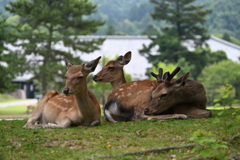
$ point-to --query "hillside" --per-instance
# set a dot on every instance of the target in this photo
(131, 17)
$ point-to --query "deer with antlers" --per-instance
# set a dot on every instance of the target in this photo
(181, 96)
(77, 105)
(113, 72)
(134, 100)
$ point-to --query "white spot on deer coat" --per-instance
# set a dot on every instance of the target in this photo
(120, 89)
(129, 94)
(65, 100)
(139, 92)
(116, 94)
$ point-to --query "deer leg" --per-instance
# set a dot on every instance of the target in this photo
(95, 123)
(192, 112)
(61, 122)
(168, 116)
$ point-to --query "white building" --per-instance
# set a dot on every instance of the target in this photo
(119, 45)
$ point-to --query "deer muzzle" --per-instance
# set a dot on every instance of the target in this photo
(66, 91)
(95, 78)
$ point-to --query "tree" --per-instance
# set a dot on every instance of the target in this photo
(218, 74)
(44, 24)
(226, 37)
(111, 30)
(184, 25)
(187, 19)
(10, 64)
(150, 30)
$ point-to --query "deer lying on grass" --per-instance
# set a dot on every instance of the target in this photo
(30, 108)
(131, 101)
(75, 106)
(181, 96)
(113, 71)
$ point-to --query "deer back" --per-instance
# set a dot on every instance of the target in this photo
(128, 101)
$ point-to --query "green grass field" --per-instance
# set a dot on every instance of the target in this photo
(114, 140)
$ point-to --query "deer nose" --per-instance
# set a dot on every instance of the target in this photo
(94, 78)
(66, 90)
(146, 111)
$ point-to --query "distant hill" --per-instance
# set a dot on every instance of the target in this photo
(131, 17)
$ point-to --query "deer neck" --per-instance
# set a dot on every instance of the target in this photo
(83, 102)
(119, 81)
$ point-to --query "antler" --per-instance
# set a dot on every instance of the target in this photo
(158, 76)
(170, 76)
(167, 77)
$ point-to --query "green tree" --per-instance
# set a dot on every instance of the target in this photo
(46, 23)
(226, 37)
(184, 25)
(10, 64)
(111, 30)
(185, 17)
(218, 74)
(150, 30)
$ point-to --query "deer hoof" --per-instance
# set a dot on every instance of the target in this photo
(183, 117)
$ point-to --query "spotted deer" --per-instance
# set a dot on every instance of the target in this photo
(181, 96)
(131, 101)
(77, 105)
(113, 72)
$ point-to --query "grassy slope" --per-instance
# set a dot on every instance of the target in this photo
(113, 139)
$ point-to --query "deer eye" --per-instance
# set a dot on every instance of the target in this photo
(163, 95)
(80, 77)
(110, 68)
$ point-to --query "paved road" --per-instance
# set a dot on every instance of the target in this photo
(16, 103)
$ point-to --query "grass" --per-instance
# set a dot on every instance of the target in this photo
(114, 139)
(14, 112)
(7, 98)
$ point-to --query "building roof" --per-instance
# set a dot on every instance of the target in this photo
(119, 45)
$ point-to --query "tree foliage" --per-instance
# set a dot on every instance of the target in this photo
(185, 26)
(9, 62)
(218, 74)
(46, 24)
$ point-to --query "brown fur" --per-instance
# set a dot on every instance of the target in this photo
(187, 100)
(113, 71)
(78, 106)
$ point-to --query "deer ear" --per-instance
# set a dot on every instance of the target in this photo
(91, 66)
(68, 63)
(181, 81)
(127, 58)
(120, 58)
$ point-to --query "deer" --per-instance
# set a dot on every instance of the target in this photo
(76, 106)
(30, 108)
(131, 101)
(179, 96)
(113, 72)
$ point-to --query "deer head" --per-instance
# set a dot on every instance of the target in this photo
(167, 92)
(76, 76)
(113, 70)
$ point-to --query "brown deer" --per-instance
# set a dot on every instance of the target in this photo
(30, 108)
(75, 106)
(181, 96)
(130, 101)
(113, 71)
